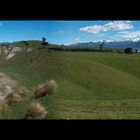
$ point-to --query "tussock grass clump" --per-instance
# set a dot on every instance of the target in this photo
(5, 89)
(11, 98)
(22, 91)
(52, 86)
(2, 87)
(35, 111)
(3, 106)
(8, 100)
(45, 89)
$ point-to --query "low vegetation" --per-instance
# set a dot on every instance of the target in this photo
(12, 98)
(128, 50)
(45, 89)
(22, 91)
(92, 85)
(35, 111)
(84, 49)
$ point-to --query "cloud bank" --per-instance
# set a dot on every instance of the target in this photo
(110, 26)
(129, 34)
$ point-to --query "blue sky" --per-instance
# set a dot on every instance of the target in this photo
(67, 32)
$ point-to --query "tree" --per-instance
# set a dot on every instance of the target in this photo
(128, 50)
(24, 41)
(26, 44)
(44, 43)
(101, 45)
(136, 51)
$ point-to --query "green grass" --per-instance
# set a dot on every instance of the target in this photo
(90, 85)
(31, 43)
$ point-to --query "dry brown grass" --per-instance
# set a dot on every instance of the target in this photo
(3, 106)
(5, 89)
(8, 100)
(35, 111)
(52, 86)
(11, 98)
(22, 91)
(45, 89)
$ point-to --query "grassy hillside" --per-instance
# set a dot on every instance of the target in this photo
(32, 43)
(29, 43)
(91, 85)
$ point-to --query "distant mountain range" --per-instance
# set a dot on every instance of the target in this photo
(135, 44)
(6, 43)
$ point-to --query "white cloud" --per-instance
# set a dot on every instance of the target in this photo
(136, 39)
(114, 26)
(109, 40)
(94, 29)
(129, 34)
(67, 44)
(119, 25)
(78, 40)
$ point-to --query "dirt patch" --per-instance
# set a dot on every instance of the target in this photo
(6, 85)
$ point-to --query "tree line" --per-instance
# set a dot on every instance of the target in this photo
(82, 49)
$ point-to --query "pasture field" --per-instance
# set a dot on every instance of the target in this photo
(91, 85)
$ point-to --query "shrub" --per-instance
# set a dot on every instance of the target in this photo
(52, 85)
(35, 111)
(5, 89)
(3, 106)
(21, 91)
(119, 51)
(128, 50)
(45, 89)
(11, 98)
(136, 51)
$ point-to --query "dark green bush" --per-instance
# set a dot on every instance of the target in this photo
(128, 50)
